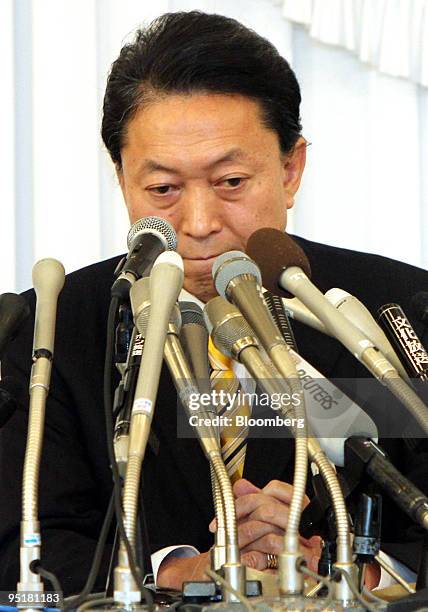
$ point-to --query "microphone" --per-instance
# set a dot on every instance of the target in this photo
(332, 415)
(420, 306)
(14, 310)
(290, 272)
(366, 454)
(48, 280)
(286, 274)
(402, 335)
(298, 311)
(9, 386)
(279, 314)
(361, 317)
(194, 338)
(147, 238)
(237, 278)
(166, 281)
(233, 336)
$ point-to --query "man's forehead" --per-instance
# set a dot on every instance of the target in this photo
(234, 154)
(200, 130)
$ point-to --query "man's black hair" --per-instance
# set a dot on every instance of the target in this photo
(189, 52)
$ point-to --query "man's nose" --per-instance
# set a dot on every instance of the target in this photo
(200, 213)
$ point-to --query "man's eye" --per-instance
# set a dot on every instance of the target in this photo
(232, 182)
(161, 189)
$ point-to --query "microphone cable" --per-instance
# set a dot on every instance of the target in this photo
(117, 488)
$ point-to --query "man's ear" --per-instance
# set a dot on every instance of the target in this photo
(294, 164)
(119, 174)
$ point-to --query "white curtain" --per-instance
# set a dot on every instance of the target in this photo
(365, 185)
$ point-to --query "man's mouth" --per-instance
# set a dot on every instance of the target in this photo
(201, 257)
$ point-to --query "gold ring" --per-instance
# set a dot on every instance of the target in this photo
(272, 561)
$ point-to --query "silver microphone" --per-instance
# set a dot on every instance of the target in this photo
(166, 281)
(147, 239)
(48, 280)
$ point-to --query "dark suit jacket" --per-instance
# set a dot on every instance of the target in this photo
(76, 482)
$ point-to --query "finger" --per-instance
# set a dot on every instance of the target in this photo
(270, 543)
(282, 491)
(271, 512)
(255, 560)
(312, 557)
(244, 487)
(314, 542)
(250, 531)
(248, 503)
(274, 544)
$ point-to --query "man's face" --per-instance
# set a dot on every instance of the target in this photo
(208, 165)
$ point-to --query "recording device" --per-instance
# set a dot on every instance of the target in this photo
(405, 340)
(14, 310)
(147, 238)
(48, 280)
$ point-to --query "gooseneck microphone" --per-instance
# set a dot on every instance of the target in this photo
(147, 239)
(48, 280)
(234, 337)
(14, 310)
(166, 281)
(194, 336)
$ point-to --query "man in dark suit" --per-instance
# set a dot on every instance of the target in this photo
(201, 119)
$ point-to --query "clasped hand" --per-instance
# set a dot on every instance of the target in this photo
(262, 519)
(262, 516)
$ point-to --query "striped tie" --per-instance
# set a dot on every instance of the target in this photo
(233, 438)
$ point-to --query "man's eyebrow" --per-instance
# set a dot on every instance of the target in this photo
(151, 165)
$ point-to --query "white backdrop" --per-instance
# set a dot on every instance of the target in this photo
(365, 110)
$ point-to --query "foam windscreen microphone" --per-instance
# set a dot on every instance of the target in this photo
(273, 250)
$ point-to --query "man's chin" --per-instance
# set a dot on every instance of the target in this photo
(202, 288)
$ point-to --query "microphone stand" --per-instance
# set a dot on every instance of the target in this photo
(234, 571)
(48, 279)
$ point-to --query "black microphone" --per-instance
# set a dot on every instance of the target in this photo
(147, 239)
(404, 339)
(14, 310)
(366, 455)
(9, 387)
(420, 306)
